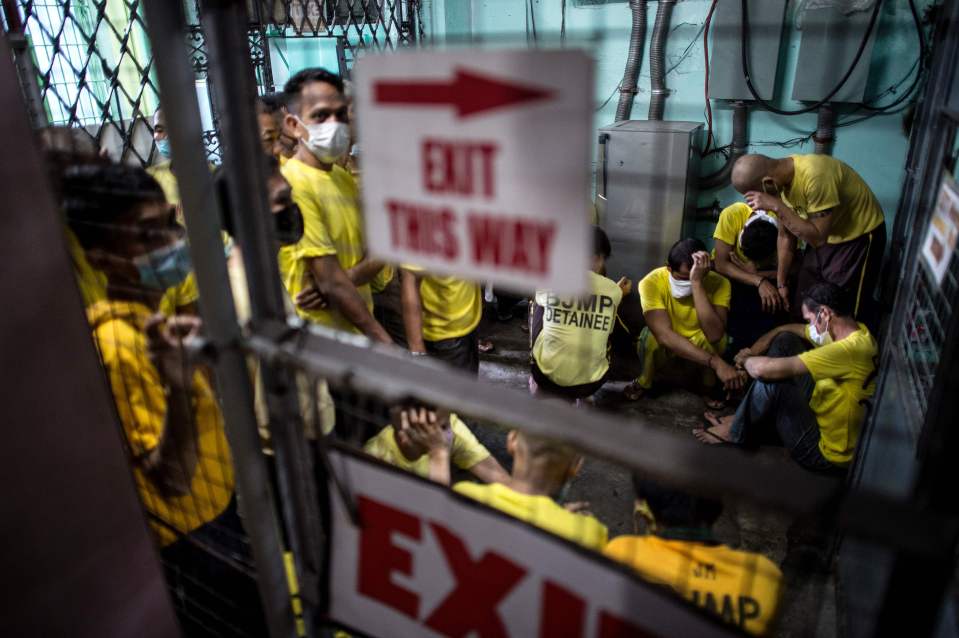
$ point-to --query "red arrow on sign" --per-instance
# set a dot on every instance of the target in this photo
(468, 92)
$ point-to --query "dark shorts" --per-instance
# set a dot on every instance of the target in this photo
(570, 393)
(747, 319)
(460, 352)
(387, 309)
(854, 266)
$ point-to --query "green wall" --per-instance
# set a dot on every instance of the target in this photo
(876, 148)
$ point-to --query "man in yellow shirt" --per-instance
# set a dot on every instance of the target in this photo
(745, 253)
(685, 305)
(171, 420)
(682, 553)
(541, 470)
(813, 398)
(162, 169)
(570, 354)
(327, 273)
(440, 316)
(826, 204)
(426, 441)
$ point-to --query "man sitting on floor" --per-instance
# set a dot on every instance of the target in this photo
(570, 354)
(425, 441)
(685, 306)
(681, 552)
(541, 469)
(813, 398)
(745, 253)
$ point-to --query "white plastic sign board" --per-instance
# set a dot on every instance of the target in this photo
(943, 231)
(423, 561)
(475, 163)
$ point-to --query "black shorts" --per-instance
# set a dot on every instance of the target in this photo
(570, 393)
(460, 352)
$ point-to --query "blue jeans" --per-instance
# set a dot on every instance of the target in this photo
(785, 405)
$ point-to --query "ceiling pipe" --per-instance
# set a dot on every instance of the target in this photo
(634, 60)
(657, 60)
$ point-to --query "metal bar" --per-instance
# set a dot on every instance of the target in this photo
(101, 588)
(225, 25)
(23, 60)
(917, 585)
(349, 361)
(166, 25)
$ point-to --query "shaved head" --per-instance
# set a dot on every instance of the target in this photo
(547, 451)
(749, 171)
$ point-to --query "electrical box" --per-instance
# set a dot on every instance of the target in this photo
(726, 78)
(647, 174)
(828, 47)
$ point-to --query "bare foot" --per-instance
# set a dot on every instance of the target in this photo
(720, 429)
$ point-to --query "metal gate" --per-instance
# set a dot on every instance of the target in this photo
(89, 63)
(110, 90)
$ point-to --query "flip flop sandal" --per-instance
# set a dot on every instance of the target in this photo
(634, 392)
(714, 404)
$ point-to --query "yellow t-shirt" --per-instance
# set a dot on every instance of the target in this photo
(465, 452)
(92, 282)
(164, 176)
(742, 588)
(571, 349)
(382, 279)
(541, 511)
(332, 225)
(141, 403)
(732, 221)
(452, 307)
(654, 294)
(839, 369)
(821, 182)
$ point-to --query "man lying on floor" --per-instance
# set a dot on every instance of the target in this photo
(426, 441)
(542, 471)
(681, 551)
(813, 398)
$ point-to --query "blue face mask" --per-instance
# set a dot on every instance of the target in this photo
(163, 147)
(164, 267)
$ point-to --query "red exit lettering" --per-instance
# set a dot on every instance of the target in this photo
(514, 243)
(458, 168)
(480, 584)
(423, 229)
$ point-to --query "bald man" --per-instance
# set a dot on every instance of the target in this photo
(826, 204)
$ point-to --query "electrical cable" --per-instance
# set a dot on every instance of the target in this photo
(562, 23)
(532, 19)
(709, 106)
(603, 105)
(919, 71)
(744, 51)
(685, 54)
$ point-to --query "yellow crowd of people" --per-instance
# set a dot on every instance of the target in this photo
(774, 311)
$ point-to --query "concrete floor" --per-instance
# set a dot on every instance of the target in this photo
(808, 605)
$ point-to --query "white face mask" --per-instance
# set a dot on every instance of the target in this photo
(328, 141)
(680, 288)
(819, 338)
